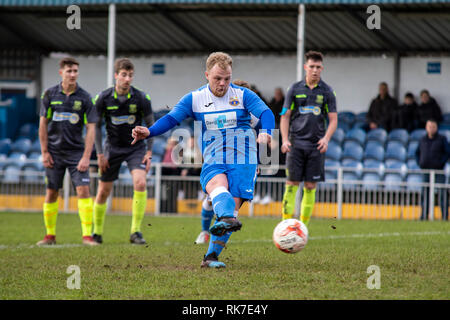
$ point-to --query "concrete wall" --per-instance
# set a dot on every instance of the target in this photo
(355, 79)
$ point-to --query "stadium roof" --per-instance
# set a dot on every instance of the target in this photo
(236, 26)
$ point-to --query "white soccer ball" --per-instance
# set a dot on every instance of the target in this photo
(290, 235)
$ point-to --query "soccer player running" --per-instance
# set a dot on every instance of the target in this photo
(229, 168)
(123, 107)
(66, 109)
(305, 135)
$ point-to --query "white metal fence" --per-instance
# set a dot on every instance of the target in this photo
(349, 193)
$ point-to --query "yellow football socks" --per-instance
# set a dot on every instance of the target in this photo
(138, 210)
(99, 217)
(288, 207)
(307, 206)
(85, 211)
(50, 215)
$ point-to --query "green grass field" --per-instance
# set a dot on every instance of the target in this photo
(413, 258)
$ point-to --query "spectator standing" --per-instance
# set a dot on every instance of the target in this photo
(404, 116)
(432, 154)
(381, 109)
(428, 109)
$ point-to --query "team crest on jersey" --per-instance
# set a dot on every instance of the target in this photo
(132, 108)
(234, 101)
(319, 99)
(76, 105)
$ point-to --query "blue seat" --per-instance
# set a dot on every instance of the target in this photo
(412, 164)
(397, 167)
(396, 151)
(17, 158)
(357, 135)
(159, 146)
(346, 116)
(352, 166)
(445, 133)
(11, 173)
(29, 131)
(400, 135)
(373, 164)
(338, 136)
(376, 152)
(361, 117)
(3, 160)
(379, 135)
(352, 150)
(413, 182)
(417, 134)
(393, 182)
(373, 144)
(5, 146)
(371, 181)
(22, 145)
(412, 147)
(446, 117)
(32, 174)
(334, 151)
(331, 167)
(344, 126)
(35, 146)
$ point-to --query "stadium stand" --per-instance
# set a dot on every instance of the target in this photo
(412, 147)
(352, 150)
(395, 151)
(357, 135)
(29, 131)
(413, 179)
(338, 136)
(400, 135)
(334, 151)
(417, 134)
(21, 145)
(374, 152)
(5, 146)
(11, 173)
(379, 135)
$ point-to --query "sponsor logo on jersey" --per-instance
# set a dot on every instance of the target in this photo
(76, 105)
(319, 99)
(221, 120)
(123, 119)
(234, 101)
(132, 108)
(66, 116)
(310, 109)
(209, 104)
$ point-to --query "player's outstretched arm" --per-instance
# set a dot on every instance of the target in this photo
(159, 127)
(139, 133)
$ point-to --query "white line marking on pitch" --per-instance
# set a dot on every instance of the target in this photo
(349, 236)
(361, 235)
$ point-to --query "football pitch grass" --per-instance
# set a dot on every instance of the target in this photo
(412, 256)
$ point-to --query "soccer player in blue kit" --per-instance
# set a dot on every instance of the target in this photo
(228, 145)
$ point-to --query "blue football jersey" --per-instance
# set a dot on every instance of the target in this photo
(227, 135)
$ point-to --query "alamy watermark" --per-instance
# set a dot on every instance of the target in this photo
(73, 22)
(374, 21)
(74, 280)
(374, 281)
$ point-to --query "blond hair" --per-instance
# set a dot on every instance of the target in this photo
(221, 58)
